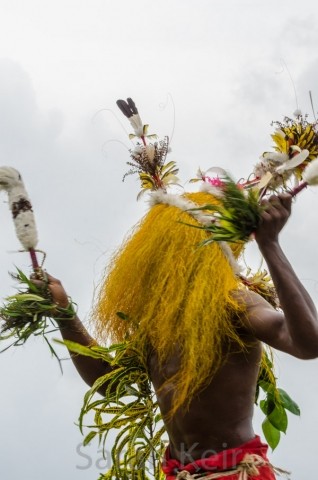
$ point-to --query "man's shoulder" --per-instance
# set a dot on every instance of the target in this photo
(250, 299)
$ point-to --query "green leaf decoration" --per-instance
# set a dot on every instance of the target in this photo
(130, 407)
(275, 403)
(278, 418)
(30, 312)
(168, 166)
(267, 406)
(236, 217)
(269, 388)
(288, 403)
(272, 435)
(89, 438)
(29, 297)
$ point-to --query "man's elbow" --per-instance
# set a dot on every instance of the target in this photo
(309, 352)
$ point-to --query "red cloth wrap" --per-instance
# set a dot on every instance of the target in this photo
(225, 460)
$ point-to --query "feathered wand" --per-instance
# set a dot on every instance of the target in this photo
(239, 212)
(31, 310)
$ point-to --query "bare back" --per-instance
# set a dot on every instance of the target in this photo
(218, 417)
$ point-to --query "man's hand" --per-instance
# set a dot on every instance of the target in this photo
(276, 213)
(57, 291)
(59, 295)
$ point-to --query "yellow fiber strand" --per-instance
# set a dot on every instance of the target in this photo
(174, 293)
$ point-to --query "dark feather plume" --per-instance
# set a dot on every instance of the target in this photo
(132, 106)
(127, 108)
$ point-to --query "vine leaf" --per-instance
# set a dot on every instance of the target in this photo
(271, 434)
(288, 403)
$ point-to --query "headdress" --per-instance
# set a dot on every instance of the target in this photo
(237, 215)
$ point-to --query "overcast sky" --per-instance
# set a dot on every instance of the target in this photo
(212, 74)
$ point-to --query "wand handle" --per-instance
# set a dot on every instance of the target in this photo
(35, 263)
(298, 189)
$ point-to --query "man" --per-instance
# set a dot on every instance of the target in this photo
(208, 417)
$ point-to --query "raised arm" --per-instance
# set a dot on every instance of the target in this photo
(294, 331)
(72, 329)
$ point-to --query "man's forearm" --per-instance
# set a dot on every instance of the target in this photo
(89, 368)
(297, 305)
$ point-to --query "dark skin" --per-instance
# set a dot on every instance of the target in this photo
(220, 416)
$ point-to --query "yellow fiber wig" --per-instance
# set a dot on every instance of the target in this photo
(172, 292)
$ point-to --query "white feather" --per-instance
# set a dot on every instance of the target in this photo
(136, 123)
(208, 188)
(294, 162)
(310, 174)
